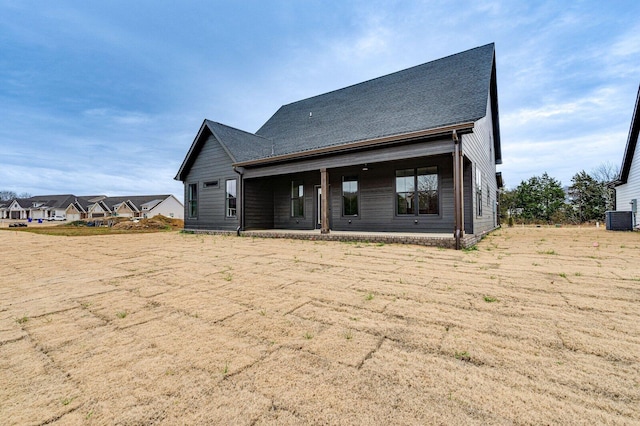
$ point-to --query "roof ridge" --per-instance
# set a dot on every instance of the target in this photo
(390, 74)
(239, 130)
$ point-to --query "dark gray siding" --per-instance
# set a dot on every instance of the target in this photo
(478, 147)
(268, 200)
(212, 163)
(258, 201)
(282, 218)
(468, 197)
(377, 198)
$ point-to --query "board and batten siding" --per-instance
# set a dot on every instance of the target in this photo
(282, 218)
(211, 164)
(630, 190)
(377, 198)
(478, 147)
(258, 204)
(268, 200)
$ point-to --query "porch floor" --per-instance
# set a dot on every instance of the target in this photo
(435, 239)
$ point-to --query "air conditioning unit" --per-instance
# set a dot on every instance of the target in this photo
(619, 221)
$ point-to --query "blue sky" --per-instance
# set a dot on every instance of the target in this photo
(106, 97)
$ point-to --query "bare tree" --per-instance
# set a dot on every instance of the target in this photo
(605, 174)
(7, 195)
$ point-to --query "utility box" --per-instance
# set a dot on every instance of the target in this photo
(619, 221)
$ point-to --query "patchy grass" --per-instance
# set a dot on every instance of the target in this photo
(550, 252)
(462, 356)
(331, 337)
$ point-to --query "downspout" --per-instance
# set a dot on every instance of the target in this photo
(240, 172)
(458, 199)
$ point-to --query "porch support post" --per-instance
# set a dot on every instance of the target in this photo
(458, 198)
(324, 214)
(240, 199)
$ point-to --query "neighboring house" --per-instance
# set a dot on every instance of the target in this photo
(628, 183)
(73, 208)
(38, 207)
(143, 206)
(413, 151)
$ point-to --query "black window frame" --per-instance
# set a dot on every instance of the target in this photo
(351, 206)
(412, 192)
(230, 200)
(479, 200)
(192, 200)
(297, 199)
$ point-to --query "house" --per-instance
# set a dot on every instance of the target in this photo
(627, 185)
(143, 206)
(413, 152)
(73, 207)
(38, 207)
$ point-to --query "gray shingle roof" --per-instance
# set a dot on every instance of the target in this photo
(443, 92)
(61, 201)
(137, 200)
(240, 145)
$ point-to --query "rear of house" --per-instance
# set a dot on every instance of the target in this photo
(414, 151)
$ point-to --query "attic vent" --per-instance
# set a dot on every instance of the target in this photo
(310, 114)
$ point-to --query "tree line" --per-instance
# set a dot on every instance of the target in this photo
(10, 195)
(543, 199)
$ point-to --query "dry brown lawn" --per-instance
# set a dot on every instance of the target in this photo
(537, 326)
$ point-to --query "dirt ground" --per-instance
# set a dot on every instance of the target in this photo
(536, 326)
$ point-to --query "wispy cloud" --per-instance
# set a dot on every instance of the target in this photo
(125, 118)
(584, 108)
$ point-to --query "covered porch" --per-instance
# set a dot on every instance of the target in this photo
(416, 195)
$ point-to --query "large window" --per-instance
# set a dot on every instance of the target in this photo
(192, 200)
(231, 198)
(478, 191)
(350, 196)
(417, 191)
(297, 198)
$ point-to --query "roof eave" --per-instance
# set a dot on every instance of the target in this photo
(632, 141)
(460, 127)
(495, 112)
(188, 160)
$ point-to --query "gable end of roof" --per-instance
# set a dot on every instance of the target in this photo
(632, 142)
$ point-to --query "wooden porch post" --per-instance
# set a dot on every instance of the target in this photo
(458, 191)
(324, 214)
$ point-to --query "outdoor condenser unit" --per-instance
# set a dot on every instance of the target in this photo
(619, 220)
